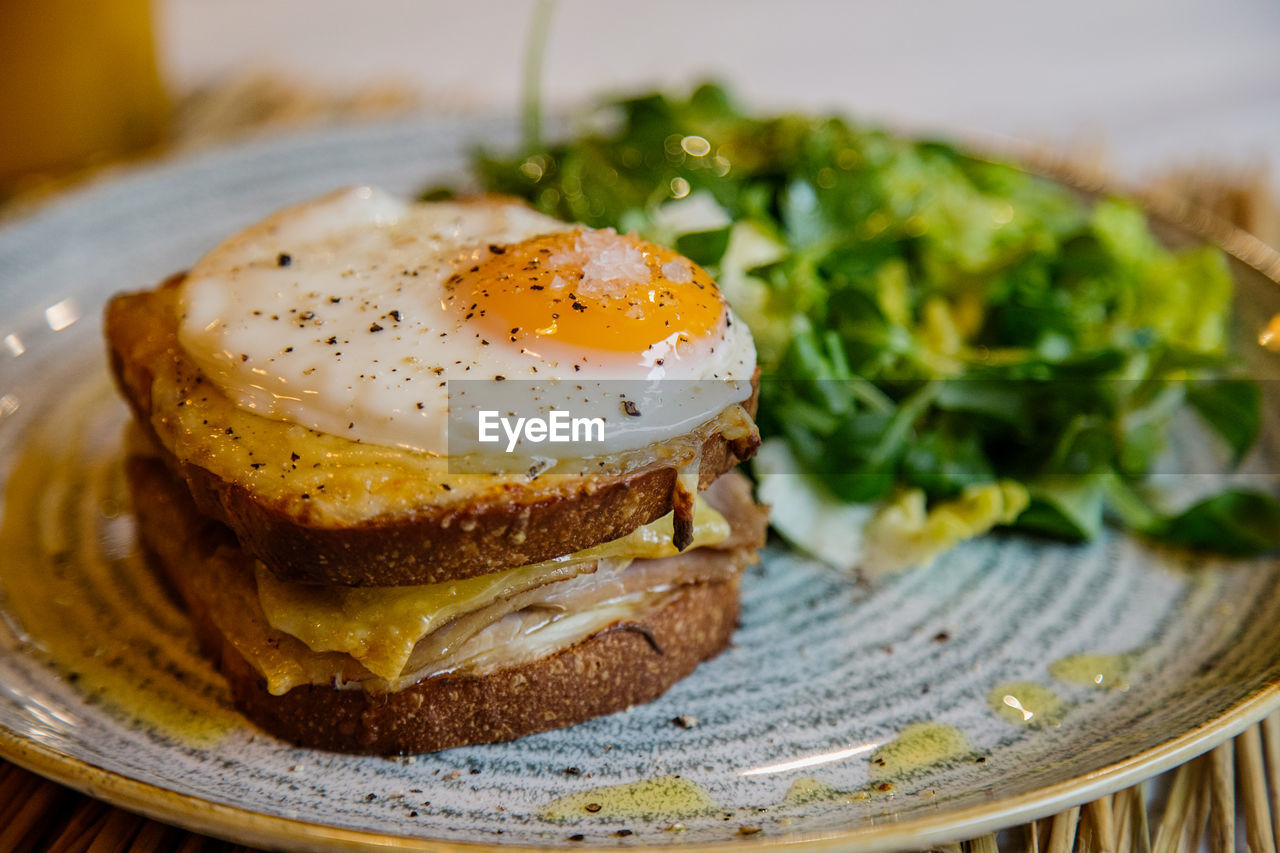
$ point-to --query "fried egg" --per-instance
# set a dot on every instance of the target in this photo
(354, 313)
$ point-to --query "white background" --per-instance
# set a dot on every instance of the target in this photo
(1157, 82)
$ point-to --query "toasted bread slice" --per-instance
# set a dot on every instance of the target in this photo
(628, 662)
(320, 508)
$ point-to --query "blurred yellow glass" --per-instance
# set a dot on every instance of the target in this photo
(78, 83)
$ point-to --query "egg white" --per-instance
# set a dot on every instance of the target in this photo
(330, 314)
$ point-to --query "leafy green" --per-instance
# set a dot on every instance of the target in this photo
(1233, 522)
(928, 321)
(904, 533)
(1233, 407)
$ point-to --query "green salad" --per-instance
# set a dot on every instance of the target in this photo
(949, 344)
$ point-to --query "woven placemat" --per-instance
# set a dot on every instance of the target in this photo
(1227, 799)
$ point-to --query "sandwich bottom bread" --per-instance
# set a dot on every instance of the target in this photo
(556, 644)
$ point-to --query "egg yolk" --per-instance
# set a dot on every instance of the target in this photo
(589, 289)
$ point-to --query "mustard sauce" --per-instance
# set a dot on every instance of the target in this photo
(77, 592)
(1105, 672)
(660, 798)
(918, 747)
(1024, 703)
(807, 789)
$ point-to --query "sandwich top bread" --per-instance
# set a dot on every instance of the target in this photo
(310, 467)
(339, 492)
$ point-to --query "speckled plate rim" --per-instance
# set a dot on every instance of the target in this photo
(246, 826)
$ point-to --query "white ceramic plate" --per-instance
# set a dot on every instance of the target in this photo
(824, 676)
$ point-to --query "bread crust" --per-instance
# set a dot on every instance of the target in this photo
(436, 545)
(625, 664)
(430, 543)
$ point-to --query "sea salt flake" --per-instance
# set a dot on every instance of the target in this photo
(677, 272)
(608, 263)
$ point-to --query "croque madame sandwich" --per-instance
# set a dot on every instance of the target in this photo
(366, 581)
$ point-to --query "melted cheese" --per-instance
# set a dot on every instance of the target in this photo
(379, 626)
